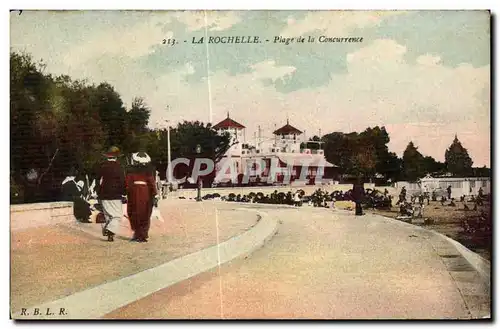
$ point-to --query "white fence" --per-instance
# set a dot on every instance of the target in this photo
(459, 185)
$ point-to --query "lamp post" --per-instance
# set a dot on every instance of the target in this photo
(169, 159)
(199, 182)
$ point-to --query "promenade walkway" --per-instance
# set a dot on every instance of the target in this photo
(51, 262)
(321, 264)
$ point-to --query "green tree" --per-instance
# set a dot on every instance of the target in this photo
(364, 161)
(338, 151)
(457, 159)
(433, 166)
(111, 112)
(138, 116)
(481, 172)
(393, 167)
(379, 138)
(32, 123)
(188, 134)
(413, 163)
(55, 125)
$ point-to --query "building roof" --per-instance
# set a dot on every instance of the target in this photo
(287, 129)
(228, 123)
(306, 160)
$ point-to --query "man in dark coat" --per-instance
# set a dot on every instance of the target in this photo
(111, 188)
(358, 193)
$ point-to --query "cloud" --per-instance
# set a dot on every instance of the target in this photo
(269, 70)
(215, 20)
(381, 51)
(428, 60)
(424, 103)
(339, 24)
(418, 98)
(135, 41)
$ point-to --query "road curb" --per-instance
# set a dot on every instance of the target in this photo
(98, 301)
(481, 265)
(476, 294)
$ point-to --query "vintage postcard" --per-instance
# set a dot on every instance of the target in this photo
(250, 164)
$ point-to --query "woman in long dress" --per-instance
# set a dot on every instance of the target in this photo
(141, 190)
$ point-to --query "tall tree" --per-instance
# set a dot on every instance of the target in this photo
(338, 151)
(32, 122)
(457, 159)
(413, 163)
(393, 168)
(112, 114)
(187, 135)
(138, 116)
(364, 161)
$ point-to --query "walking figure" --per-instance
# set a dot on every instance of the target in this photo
(141, 192)
(110, 192)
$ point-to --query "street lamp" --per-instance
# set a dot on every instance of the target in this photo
(199, 182)
(169, 159)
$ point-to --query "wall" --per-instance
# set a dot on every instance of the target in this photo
(459, 186)
(31, 215)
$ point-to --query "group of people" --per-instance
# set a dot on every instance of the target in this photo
(113, 186)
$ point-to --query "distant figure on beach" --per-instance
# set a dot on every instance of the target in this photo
(402, 196)
(434, 196)
(480, 195)
(296, 199)
(448, 190)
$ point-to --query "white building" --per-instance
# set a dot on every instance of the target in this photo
(232, 159)
(283, 149)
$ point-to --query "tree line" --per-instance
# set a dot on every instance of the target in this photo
(367, 155)
(59, 125)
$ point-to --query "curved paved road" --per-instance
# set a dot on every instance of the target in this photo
(320, 265)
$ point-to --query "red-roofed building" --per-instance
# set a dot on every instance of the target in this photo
(287, 130)
(302, 166)
(228, 123)
(232, 159)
